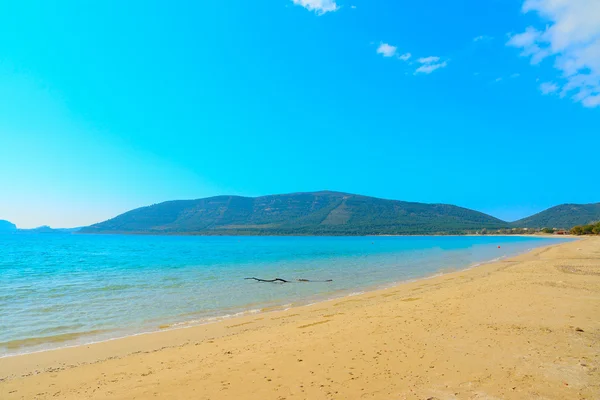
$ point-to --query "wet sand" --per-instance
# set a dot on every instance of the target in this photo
(523, 328)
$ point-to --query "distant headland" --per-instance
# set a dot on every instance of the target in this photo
(6, 226)
(9, 227)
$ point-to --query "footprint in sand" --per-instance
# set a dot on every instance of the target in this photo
(235, 326)
(284, 316)
(314, 323)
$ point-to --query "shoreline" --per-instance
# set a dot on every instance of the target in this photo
(243, 312)
(255, 234)
(528, 322)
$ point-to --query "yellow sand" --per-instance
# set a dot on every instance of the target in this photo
(525, 328)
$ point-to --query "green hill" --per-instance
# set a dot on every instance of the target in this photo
(318, 213)
(563, 216)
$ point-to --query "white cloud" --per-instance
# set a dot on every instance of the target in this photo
(529, 41)
(515, 75)
(430, 64)
(353, 7)
(572, 39)
(429, 68)
(548, 87)
(387, 50)
(498, 79)
(319, 6)
(592, 101)
(428, 60)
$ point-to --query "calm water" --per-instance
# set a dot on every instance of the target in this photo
(58, 290)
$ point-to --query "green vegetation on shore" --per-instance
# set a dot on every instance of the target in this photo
(590, 229)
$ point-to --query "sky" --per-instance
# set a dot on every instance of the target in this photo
(109, 106)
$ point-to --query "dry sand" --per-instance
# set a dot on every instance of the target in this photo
(523, 328)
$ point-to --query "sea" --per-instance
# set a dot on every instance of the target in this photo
(59, 290)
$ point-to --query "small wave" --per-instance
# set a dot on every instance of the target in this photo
(208, 320)
(447, 270)
(174, 285)
(53, 339)
(274, 308)
(355, 294)
(61, 328)
(50, 309)
(112, 287)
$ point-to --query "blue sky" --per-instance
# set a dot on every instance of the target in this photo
(108, 106)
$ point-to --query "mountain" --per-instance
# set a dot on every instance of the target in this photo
(316, 213)
(563, 216)
(6, 226)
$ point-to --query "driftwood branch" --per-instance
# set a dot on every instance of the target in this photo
(284, 281)
(270, 280)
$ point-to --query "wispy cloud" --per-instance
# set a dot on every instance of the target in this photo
(548, 88)
(387, 50)
(572, 39)
(428, 60)
(430, 64)
(516, 75)
(528, 41)
(429, 68)
(318, 6)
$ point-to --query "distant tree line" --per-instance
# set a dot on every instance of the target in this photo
(505, 231)
(591, 229)
(517, 231)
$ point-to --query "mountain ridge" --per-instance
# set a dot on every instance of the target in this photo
(563, 216)
(301, 213)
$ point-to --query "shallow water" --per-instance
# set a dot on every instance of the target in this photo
(58, 290)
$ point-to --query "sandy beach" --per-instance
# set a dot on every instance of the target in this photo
(522, 328)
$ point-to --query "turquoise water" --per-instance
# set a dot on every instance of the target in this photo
(59, 290)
